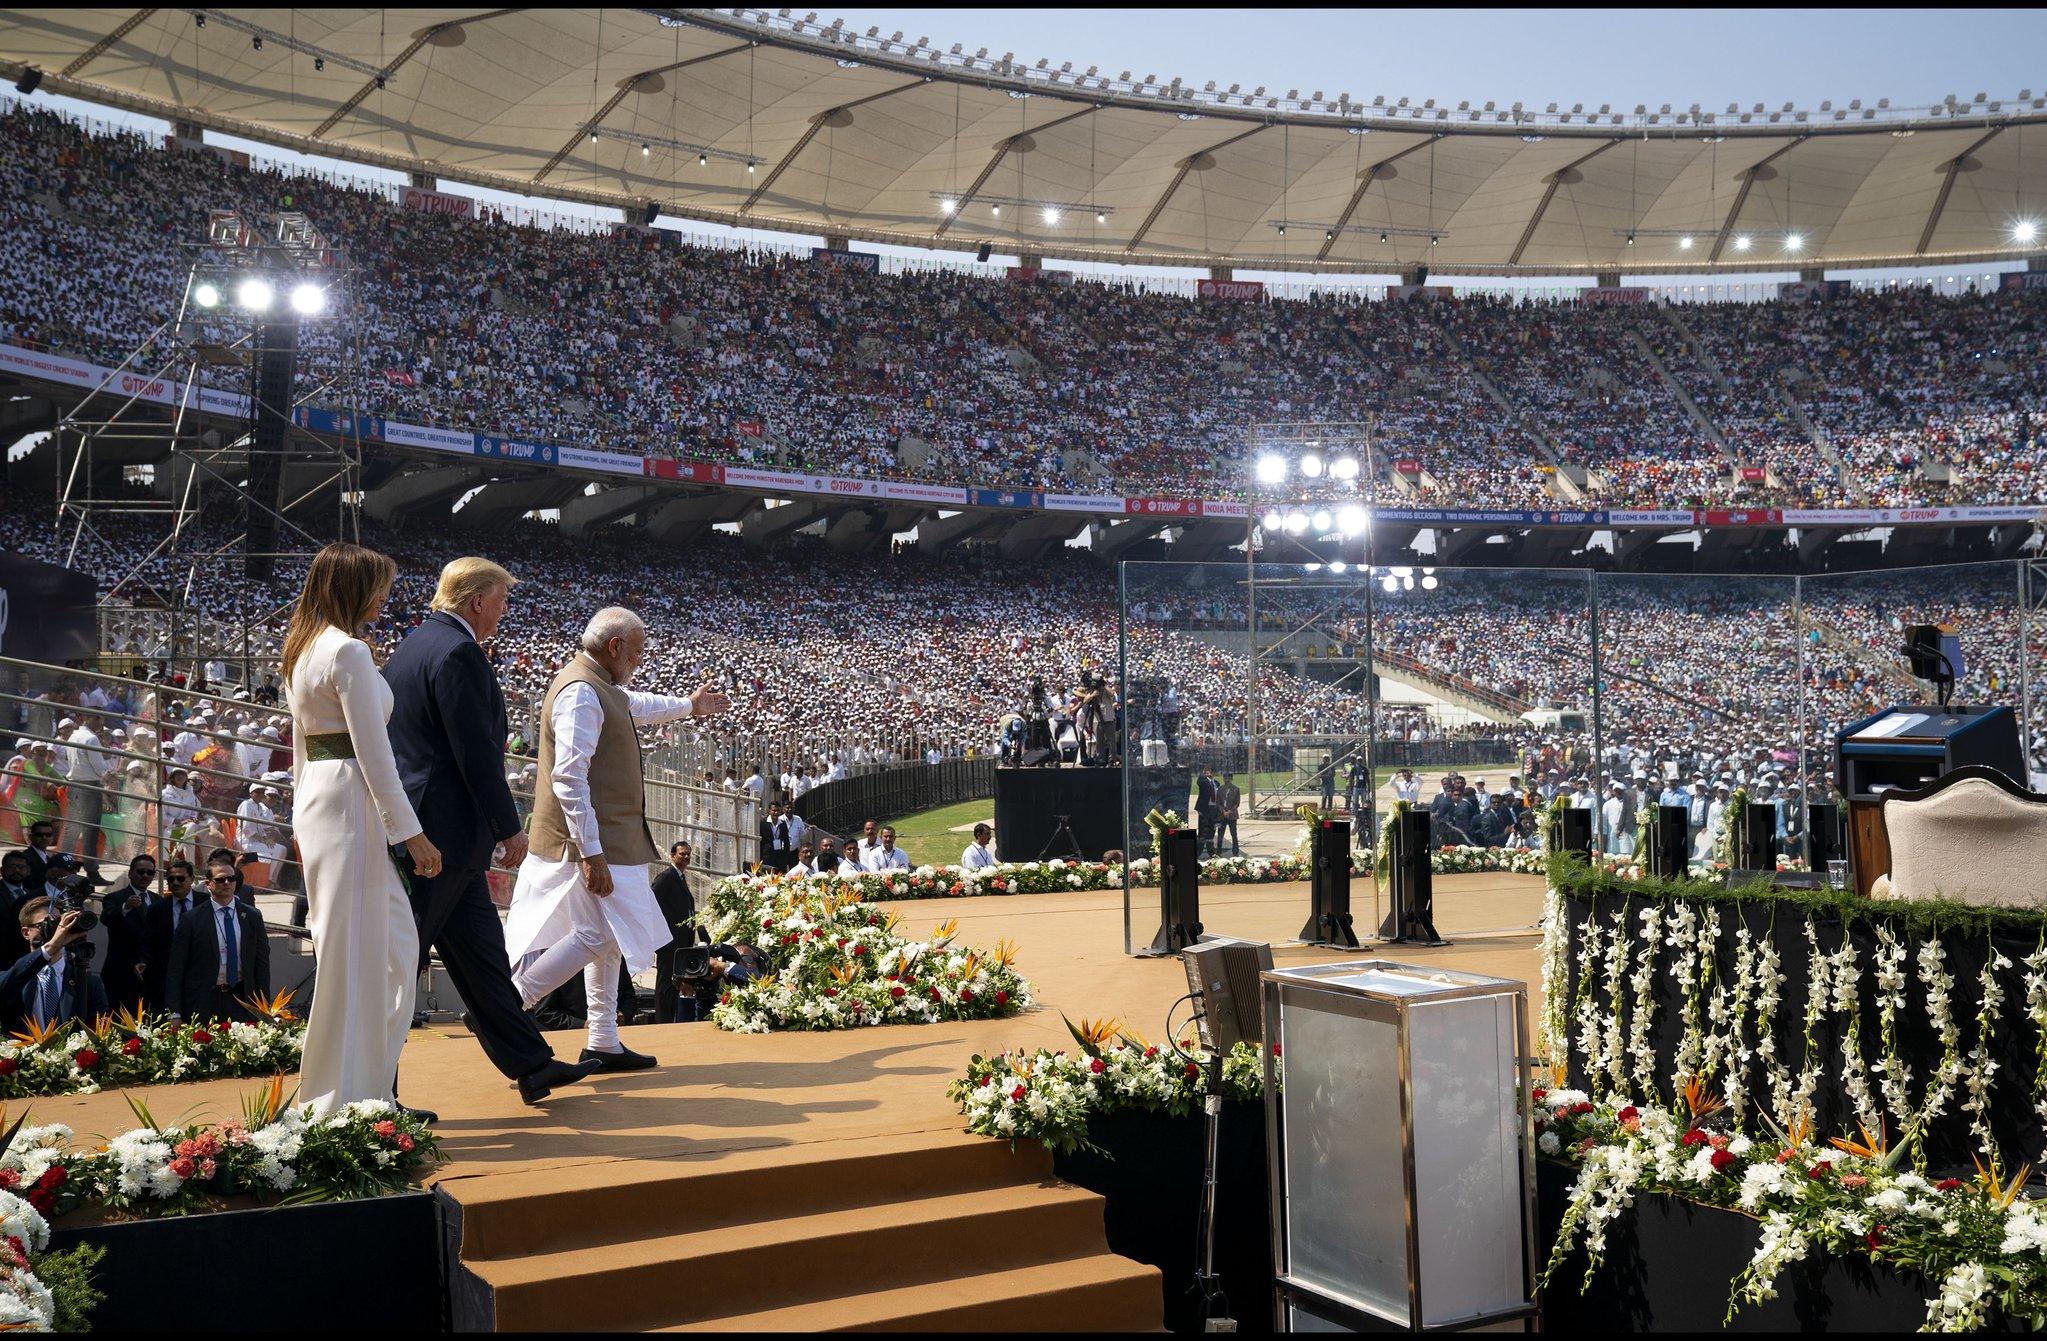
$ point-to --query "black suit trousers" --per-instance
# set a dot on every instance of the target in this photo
(457, 918)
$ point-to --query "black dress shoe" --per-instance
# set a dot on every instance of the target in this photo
(537, 1085)
(426, 1115)
(625, 1059)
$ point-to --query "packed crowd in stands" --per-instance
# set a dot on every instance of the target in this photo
(626, 342)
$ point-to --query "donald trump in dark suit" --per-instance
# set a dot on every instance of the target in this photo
(448, 736)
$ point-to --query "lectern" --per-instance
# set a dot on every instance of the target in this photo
(1908, 747)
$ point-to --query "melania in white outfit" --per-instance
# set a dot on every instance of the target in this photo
(348, 813)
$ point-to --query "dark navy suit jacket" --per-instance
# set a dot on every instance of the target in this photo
(448, 736)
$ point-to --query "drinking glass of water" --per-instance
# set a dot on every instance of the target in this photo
(1837, 874)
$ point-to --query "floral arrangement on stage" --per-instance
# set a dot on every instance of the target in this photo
(1048, 1096)
(127, 1049)
(1705, 1024)
(1849, 1196)
(1060, 877)
(41, 1291)
(839, 963)
(274, 1153)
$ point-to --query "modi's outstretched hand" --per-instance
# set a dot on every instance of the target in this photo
(709, 701)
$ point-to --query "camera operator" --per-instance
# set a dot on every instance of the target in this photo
(53, 981)
(704, 971)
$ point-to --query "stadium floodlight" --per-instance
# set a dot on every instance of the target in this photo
(1274, 520)
(2024, 231)
(1100, 217)
(1311, 466)
(1051, 217)
(702, 158)
(1428, 579)
(206, 295)
(1390, 582)
(1350, 520)
(255, 295)
(1323, 521)
(995, 210)
(1311, 567)
(1794, 243)
(1296, 522)
(1271, 469)
(1336, 566)
(1743, 242)
(1344, 468)
(1684, 243)
(308, 300)
(947, 206)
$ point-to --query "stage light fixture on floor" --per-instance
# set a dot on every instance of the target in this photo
(308, 300)
(1344, 468)
(1322, 521)
(206, 295)
(1274, 520)
(1271, 469)
(1311, 466)
(1350, 520)
(1296, 523)
(255, 295)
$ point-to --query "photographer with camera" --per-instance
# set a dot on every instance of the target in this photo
(704, 971)
(53, 982)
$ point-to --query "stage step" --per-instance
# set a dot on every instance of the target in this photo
(1103, 1293)
(908, 1230)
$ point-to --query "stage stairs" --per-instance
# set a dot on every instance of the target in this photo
(922, 1231)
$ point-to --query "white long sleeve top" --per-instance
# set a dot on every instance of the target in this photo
(578, 718)
(335, 687)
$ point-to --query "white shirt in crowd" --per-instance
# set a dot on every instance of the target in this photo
(838, 771)
(753, 783)
(977, 856)
(216, 670)
(1407, 789)
(578, 718)
(878, 858)
(87, 764)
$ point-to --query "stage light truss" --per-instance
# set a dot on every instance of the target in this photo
(1383, 232)
(228, 18)
(1049, 211)
(647, 140)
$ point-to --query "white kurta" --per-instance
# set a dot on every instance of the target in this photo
(549, 902)
(348, 813)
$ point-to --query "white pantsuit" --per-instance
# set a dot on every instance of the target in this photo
(348, 814)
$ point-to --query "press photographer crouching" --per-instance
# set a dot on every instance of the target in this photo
(703, 971)
(54, 981)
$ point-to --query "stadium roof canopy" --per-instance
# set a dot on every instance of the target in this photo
(814, 128)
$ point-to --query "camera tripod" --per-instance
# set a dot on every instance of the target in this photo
(1065, 831)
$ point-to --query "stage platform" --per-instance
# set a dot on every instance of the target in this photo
(821, 1180)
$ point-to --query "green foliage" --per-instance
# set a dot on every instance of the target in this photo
(68, 1275)
(1574, 877)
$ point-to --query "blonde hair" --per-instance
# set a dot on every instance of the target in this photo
(343, 587)
(466, 578)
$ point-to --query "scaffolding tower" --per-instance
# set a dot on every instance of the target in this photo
(198, 451)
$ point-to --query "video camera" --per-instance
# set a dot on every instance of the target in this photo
(693, 962)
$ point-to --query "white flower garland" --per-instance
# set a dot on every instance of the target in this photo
(1611, 1044)
(1981, 1065)
(2036, 1011)
(1556, 978)
(1847, 1001)
(1641, 1052)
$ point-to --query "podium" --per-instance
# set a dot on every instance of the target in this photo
(1905, 748)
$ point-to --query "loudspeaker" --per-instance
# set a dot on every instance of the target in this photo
(1329, 921)
(1755, 838)
(1824, 819)
(1574, 829)
(1179, 892)
(1670, 843)
(29, 82)
(982, 254)
(1421, 274)
(647, 214)
(1412, 917)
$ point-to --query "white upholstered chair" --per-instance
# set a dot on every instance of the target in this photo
(1973, 837)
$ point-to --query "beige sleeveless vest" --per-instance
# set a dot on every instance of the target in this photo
(616, 790)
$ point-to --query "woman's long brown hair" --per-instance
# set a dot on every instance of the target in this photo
(342, 589)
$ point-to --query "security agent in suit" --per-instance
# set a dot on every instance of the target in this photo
(51, 982)
(219, 954)
(778, 846)
(122, 912)
(448, 733)
(1207, 806)
(679, 910)
(159, 922)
